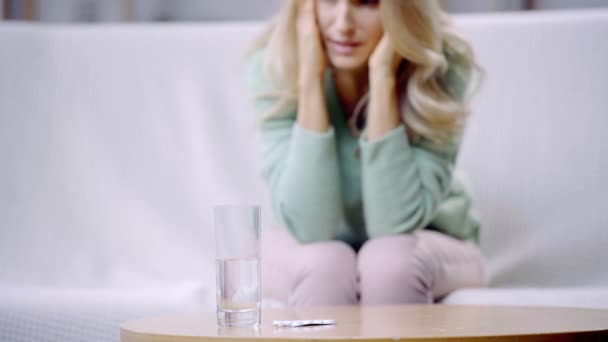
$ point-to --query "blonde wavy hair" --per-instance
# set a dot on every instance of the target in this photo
(437, 84)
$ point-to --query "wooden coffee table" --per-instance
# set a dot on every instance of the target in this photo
(388, 323)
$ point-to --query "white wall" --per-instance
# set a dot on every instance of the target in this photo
(79, 10)
(457, 6)
(189, 10)
(195, 10)
(558, 4)
(154, 10)
(227, 9)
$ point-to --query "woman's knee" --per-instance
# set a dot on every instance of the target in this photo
(394, 269)
(326, 274)
(328, 259)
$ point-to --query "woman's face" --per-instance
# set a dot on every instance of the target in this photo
(350, 30)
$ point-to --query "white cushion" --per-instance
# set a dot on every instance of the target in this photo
(32, 313)
(563, 297)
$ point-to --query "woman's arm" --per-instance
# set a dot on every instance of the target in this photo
(312, 112)
(403, 184)
(300, 167)
(383, 104)
(299, 152)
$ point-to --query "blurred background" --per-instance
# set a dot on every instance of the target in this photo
(194, 10)
(117, 139)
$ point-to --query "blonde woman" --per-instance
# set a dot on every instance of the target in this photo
(362, 105)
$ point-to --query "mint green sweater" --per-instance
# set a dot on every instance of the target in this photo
(332, 185)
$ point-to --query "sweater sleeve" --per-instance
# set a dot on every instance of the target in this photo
(402, 183)
(299, 166)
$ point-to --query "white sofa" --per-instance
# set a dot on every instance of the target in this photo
(115, 141)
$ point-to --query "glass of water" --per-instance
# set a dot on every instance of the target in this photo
(237, 243)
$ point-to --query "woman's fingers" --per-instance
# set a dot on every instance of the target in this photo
(311, 54)
(306, 18)
(384, 55)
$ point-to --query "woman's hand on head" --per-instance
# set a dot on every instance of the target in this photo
(311, 54)
(383, 109)
(384, 61)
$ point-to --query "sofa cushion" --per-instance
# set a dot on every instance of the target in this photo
(34, 313)
(565, 297)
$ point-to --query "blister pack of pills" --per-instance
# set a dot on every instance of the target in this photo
(303, 323)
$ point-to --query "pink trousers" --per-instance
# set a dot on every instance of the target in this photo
(410, 268)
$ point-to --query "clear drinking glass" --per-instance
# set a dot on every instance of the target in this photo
(237, 242)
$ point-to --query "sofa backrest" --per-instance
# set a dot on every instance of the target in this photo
(536, 148)
(116, 140)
